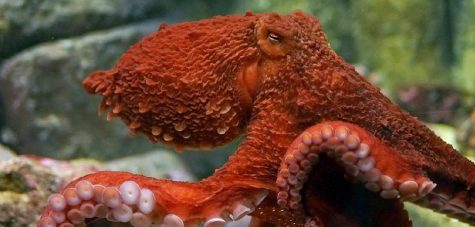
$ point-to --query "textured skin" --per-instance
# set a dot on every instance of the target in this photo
(181, 83)
(202, 84)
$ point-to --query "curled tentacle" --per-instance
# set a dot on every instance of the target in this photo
(143, 201)
(359, 156)
(375, 165)
(363, 156)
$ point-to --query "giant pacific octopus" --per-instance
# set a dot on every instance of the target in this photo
(323, 147)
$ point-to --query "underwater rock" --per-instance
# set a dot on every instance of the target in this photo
(46, 106)
(6, 153)
(203, 164)
(158, 163)
(26, 183)
(24, 23)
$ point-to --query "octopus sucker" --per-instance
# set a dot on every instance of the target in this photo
(131, 201)
(320, 143)
(341, 144)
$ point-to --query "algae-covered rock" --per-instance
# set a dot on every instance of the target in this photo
(48, 110)
(26, 183)
(27, 22)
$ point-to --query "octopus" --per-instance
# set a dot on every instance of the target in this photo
(322, 147)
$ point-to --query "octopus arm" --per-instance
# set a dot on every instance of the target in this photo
(340, 175)
(231, 192)
(309, 179)
(143, 201)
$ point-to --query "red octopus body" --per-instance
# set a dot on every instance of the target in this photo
(321, 143)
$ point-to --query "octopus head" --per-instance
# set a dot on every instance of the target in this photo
(293, 50)
(194, 84)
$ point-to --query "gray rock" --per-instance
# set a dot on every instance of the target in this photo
(6, 153)
(27, 22)
(159, 164)
(203, 163)
(48, 110)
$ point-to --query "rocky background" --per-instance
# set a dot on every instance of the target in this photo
(421, 53)
(47, 47)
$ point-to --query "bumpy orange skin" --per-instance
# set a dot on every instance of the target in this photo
(202, 84)
(179, 84)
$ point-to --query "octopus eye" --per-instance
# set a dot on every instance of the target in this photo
(274, 38)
